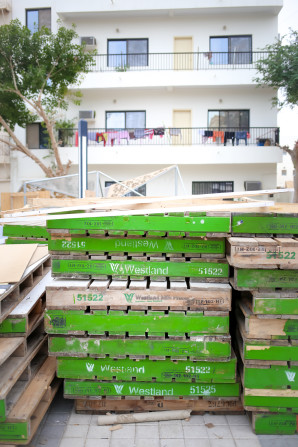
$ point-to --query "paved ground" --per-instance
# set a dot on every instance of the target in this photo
(62, 427)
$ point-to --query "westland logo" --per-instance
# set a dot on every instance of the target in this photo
(169, 246)
(118, 388)
(291, 376)
(129, 297)
(90, 366)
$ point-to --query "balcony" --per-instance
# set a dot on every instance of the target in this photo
(177, 61)
(158, 146)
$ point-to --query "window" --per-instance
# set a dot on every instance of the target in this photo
(37, 136)
(224, 119)
(126, 120)
(212, 187)
(127, 53)
(36, 18)
(141, 189)
(283, 172)
(233, 49)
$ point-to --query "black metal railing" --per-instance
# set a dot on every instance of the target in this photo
(208, 60)
(161, 136)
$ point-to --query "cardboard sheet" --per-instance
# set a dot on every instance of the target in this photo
(39, 253)
(14, 259)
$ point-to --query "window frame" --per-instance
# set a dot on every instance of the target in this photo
(123, 111)
(228, 110)
(38, 9)
(229, 37)
(210, 183)
(128, 54)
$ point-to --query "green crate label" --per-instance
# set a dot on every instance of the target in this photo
(94, 388)
(139, 268)
(14, 431)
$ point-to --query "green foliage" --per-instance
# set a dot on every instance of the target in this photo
(37, 70)
(279, 69)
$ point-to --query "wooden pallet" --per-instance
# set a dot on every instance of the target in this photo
(87, 268)
(137, 245)
(136, 323)
(75, 389)
(27, 413)
(263, 252)
(272, 303)
(267, 423)
(16, 372)
(147, 370)
(27, 315)
(193, 348)
(138, 295)
(264, 224)
(224, 405)
(200, 223)
(264, 280)
(266, 327)
(37, 232)
(12, 294)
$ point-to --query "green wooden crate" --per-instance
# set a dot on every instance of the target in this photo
(247, 279)
(200, 348)
(275, 305)
(26, 231)
(138, 268)
(14, 431)
(274, 423)
(98, 388)
(201, 224)
(146, 370)
(271, 401)
(11, 241)
(275, 377)
(13, 325)
(269, 350)
(264, 223)
(154, 323)
(140, 245)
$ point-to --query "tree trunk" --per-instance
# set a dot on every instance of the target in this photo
(295, 197)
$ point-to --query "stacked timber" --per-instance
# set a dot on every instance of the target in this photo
(25, 234)
(138, 312)
(265, 260)
(27, 374)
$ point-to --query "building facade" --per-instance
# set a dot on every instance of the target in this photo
(173, 84)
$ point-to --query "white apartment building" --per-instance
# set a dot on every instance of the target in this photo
(173, 84)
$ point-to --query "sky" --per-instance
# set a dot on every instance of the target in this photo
(288, 118)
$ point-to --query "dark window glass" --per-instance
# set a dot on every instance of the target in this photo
(37, 18)
(37, 136)
(233, 119)
(126, 120)
(127, 53)
(231, 50)
(212, 187)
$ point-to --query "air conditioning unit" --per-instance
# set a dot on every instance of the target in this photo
(86, 114)
(89, 41)
(252, 185)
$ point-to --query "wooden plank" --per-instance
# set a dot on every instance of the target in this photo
(147, 370)
(248, 279)
(274, 303)
(274, 423)
(200, 297)
(97, 388)
(264, 223)
(10, 346)
(195, 348)
(199, 405)
(135, 322)
(202, 269)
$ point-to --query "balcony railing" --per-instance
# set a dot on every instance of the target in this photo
(160, 136)
(207, 60)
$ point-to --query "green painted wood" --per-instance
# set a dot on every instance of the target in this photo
(97, 388)
(145, 223)
(13, 325)
(14, 431)
(25, 231)
(2, 410)
(275, 377)
(140, 245)
(264, 224)
(200, 348)
(275, 306)
(266, 278)
(145, 370)
(270, 401)
(11, 241)
(134, 322)
(275, 424)
(260, 350)
(140, 268)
